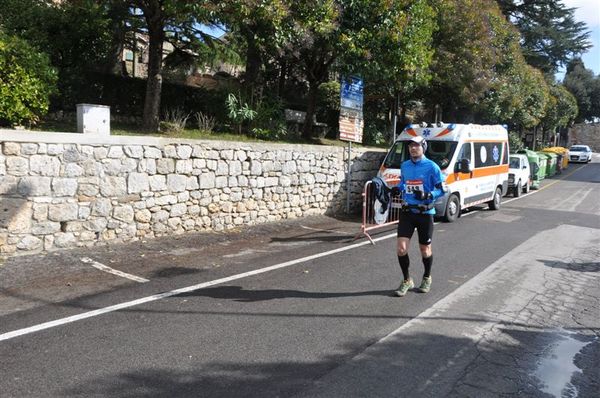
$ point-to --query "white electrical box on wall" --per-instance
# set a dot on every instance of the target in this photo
(93, 119)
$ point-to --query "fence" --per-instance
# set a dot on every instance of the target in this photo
(370, 209)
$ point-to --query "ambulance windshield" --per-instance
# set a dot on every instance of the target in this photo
(440, 152)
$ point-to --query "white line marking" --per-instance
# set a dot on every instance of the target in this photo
(106, 268)
(143, 300)
(320, 229)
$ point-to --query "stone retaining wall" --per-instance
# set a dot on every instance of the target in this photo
(586, 134)
(61, 190)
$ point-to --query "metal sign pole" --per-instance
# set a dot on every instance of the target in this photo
(395, 117)
(348, 178)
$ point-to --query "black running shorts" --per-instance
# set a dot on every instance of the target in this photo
(422, 222)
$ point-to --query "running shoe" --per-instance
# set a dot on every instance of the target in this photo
(404, 287)
(425, 285)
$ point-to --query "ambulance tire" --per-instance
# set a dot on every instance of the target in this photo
(452, 209)
(494, 204)
(517, 190)
(527, 187)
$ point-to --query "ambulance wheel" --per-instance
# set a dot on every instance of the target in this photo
(518, 189)
(452, 209)
(527, 187)
(494, 204)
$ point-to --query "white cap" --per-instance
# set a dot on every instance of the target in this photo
(419, 140)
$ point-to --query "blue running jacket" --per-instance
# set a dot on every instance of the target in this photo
(424, 175)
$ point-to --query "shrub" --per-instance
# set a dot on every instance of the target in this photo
(239, 111)
(174, 121)
(26, 82)
(206, 122)
(269, 122)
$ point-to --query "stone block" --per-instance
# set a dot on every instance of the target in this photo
(137, 182)
(64, 186)
(34, 186)
(30, 243)
(17, 166)
(63, 212)
(113, 186)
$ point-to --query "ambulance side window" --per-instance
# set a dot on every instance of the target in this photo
(465, 152)
(488, 154)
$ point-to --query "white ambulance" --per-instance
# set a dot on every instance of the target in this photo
(473, 158)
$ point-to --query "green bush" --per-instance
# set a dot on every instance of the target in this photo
(269, 123)
(26, 82)
(328, 109)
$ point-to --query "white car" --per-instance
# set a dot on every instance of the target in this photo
(519, 174)
(580, 153)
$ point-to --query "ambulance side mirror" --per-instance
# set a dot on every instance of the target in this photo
(464, 166)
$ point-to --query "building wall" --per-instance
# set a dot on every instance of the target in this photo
(586, 134)
(62, 190)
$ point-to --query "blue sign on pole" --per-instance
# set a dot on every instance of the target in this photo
(352, 93)
(351, 109)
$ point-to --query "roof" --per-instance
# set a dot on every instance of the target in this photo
(453, 132)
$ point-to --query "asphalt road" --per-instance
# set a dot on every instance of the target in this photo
(299, 309)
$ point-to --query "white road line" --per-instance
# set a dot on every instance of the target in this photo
(155, 297)
(320, 229)
(113, 271)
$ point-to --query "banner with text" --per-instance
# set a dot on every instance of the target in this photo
(351, 109)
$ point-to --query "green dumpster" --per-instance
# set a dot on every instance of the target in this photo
(550, 162)
(554, 163)
(537, 169)
(545, 161)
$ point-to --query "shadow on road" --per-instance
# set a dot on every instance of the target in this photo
(572, 266)
(238, 293)
(424, 365)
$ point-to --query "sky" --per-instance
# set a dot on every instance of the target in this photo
(588, 11)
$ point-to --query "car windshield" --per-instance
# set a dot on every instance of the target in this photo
(578, 149)
(439, 151)
(514, 163)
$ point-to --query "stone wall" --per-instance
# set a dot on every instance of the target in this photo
(61, 190)
(586, 134)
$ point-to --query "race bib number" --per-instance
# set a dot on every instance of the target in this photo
(412, 185)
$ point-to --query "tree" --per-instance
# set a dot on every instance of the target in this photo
(329, 34)
(585, 88)
(166, 19)
(77, 35)
(560, 111)
(477, 57)
(260, 26)
(550, 36)
(26, 81)
(397, 55)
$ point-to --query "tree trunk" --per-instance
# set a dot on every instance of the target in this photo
(307, 131)
(118, 14)
(155, 21)
(282, 77)
(253, 62)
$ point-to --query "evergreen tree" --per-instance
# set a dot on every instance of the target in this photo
(585, 88)
(550, 36)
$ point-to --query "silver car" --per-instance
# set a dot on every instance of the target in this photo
(580, 153)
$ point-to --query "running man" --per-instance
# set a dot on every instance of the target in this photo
(421, 183)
